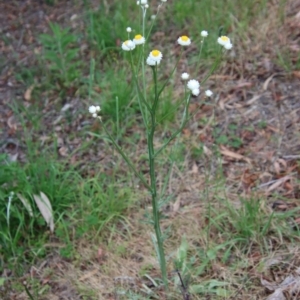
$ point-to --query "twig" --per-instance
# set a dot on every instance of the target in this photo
(184, 290)
(291, 156)
(273, 181)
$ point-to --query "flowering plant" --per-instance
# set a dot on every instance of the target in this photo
(148, 104)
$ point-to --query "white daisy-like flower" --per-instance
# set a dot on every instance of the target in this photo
(94, 115)
(139, 39)
(156, 55)
(128, 29)
(151, 62)
(184, 40)
(193, 84)
(153, 17)
(128, 45)
(164, 0)
(185, 76)
(196, 92)
(146, 6)
(92, 109)
(138, 2)
(208, 93)
(98, 108)
(223, 40)
(143, 2)
(204, 33)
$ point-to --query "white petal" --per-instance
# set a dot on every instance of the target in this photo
(92, 109)
(196, 92)
(228, 46)
(208, 93)
(193, 84)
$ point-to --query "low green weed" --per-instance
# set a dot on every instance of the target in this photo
(230, 137)
(251, 223)
(104, 33)
(101, 201)
(61, 57)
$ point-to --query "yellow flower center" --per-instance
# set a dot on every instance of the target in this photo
(155, 53)
(184, 38)
(224, 38)
(126, 42)
(138, 37)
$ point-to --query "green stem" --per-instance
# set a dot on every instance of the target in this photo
(130, 164)
(153, 21)
(91, 77)
(143, 55)
(28, 293)
(155, 207)
(199, 56)
(62, 60)
(117, 117)
(144, 93)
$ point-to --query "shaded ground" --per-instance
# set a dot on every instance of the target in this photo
(257, 114)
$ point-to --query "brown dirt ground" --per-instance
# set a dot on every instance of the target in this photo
(247, 93)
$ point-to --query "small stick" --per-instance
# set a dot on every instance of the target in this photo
(185, 293)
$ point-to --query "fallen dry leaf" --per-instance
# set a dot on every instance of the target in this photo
(296, 74)
(278, 183)
(195, 169)
(277, 295)
(88, 275)
(63, 151)
(234, 155)
(176, 204)
(100, 254)
(266, 83)
(207, 151)
(28, 92)
(12, 124)
(290, 285)
(271, 286)
(248, 180)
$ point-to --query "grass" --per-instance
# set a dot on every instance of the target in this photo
(18, 230)
(218, 238)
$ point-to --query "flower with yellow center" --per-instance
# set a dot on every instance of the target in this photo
(184, 41)
(156, 55)
(139, 39)
(222, 40)
(128, 45)
(225, 42)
